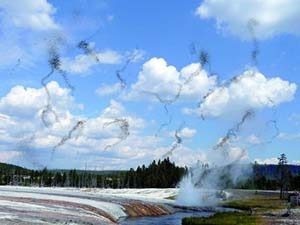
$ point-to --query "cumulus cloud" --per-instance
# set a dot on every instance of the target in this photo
(106, 89)
(251, 90)
(82, 63)
(21, 110)
(21, 129)
(165, 80)
(21, 102)
(187, 132)
(253, 139)
(234, 16)
(267, 161)
(33, 14)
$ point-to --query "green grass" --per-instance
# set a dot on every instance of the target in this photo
(225, 218)
(258, 203)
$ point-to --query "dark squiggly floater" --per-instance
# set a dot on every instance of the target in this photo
(55, 65)
(178, 142)
(15, 67)
(88, 50)
(232, 132)
(119, 72)
(78, 125)
(124, 127)
(252, 23)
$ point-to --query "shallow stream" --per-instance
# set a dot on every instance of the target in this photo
(173, 219)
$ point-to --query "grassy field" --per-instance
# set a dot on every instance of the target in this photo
(257, 203)
(252, 210)
(226, 218)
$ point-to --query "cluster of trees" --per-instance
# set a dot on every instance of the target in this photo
(47, 178)
(162, 174)
(262, 182)
(278, 177)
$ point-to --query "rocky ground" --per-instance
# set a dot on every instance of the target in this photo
(281, 217)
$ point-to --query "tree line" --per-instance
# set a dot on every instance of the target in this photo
(161, 174)
(158, 174)
(282, 178)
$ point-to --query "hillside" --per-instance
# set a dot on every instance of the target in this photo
(10, 168)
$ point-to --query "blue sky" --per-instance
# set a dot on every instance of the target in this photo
(152, 41)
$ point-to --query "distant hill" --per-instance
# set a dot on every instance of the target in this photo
(5, 167)
(95, 172)
(9, 168)
(271, 171)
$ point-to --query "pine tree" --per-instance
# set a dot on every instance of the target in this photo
(283, 174)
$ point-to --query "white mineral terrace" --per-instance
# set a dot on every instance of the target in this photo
(34, 205)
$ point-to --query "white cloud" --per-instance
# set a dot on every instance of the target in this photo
(27, 27)
(33, 14)
(188, 157)
(227, 155)
(135, 55)
(274, 161)
(251, 90)
(237, 154)
(187, 132)
(82, 63)
(8, 156)
(272, 17)
(253, 139)
(295, 162)
(165, 80)
(267, 161)
(289, 137)
(105, 89)
(115, 109)
(21, 129)
(21, 102)
(20, 118)
(295, 118)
